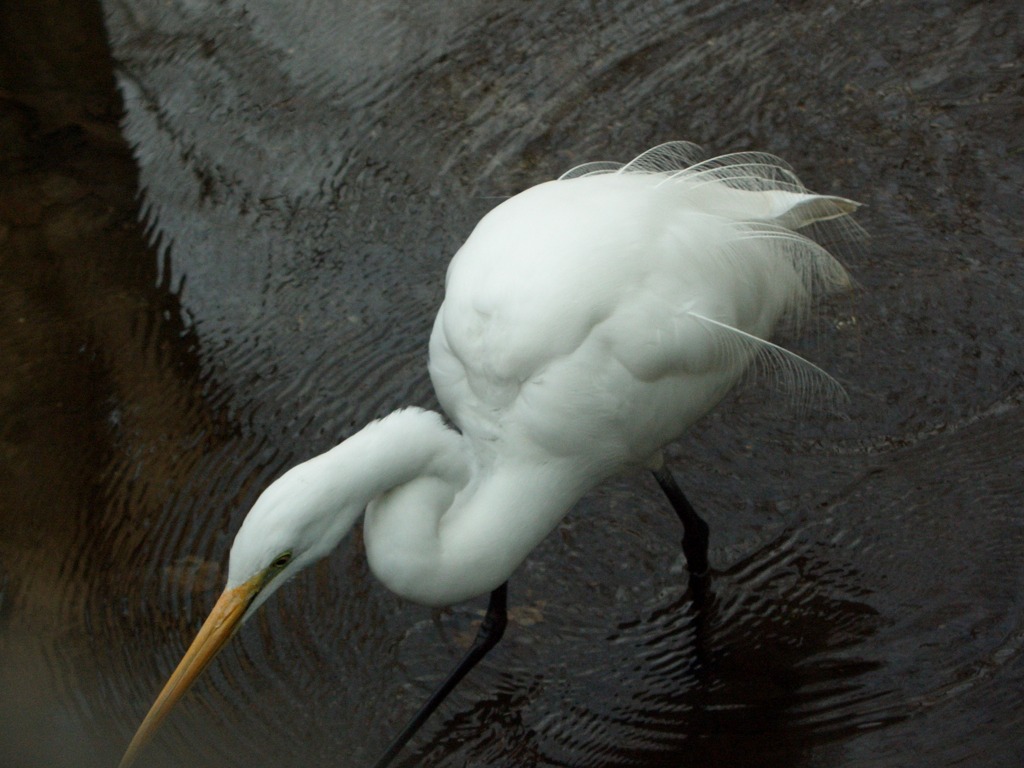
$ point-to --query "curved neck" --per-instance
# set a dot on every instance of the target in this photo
(440, 526)
(310, 508)
(436, 543)
(386, 454)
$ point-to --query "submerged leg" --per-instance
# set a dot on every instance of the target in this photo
(490, 632)
(695, 530)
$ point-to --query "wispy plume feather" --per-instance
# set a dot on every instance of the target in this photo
(773, 209)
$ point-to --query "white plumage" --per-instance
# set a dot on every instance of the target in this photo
(587, 322)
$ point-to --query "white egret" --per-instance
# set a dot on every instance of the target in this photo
(587, 322)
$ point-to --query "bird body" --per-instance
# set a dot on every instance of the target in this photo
(575, 319)
(587, 322)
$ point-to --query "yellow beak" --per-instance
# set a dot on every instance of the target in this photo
(222, 623)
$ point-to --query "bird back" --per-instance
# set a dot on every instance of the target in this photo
(620, 291)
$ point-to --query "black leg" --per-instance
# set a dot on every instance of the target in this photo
(490, 632)
(695, 530)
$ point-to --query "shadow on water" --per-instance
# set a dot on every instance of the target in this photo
(104, 407)
(300, 201)
(766, 670)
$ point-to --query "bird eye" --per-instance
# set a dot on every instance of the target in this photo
(281, 560)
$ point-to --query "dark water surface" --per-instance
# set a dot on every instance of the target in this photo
(306, 170)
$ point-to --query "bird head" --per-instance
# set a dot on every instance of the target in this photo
(297, 520)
